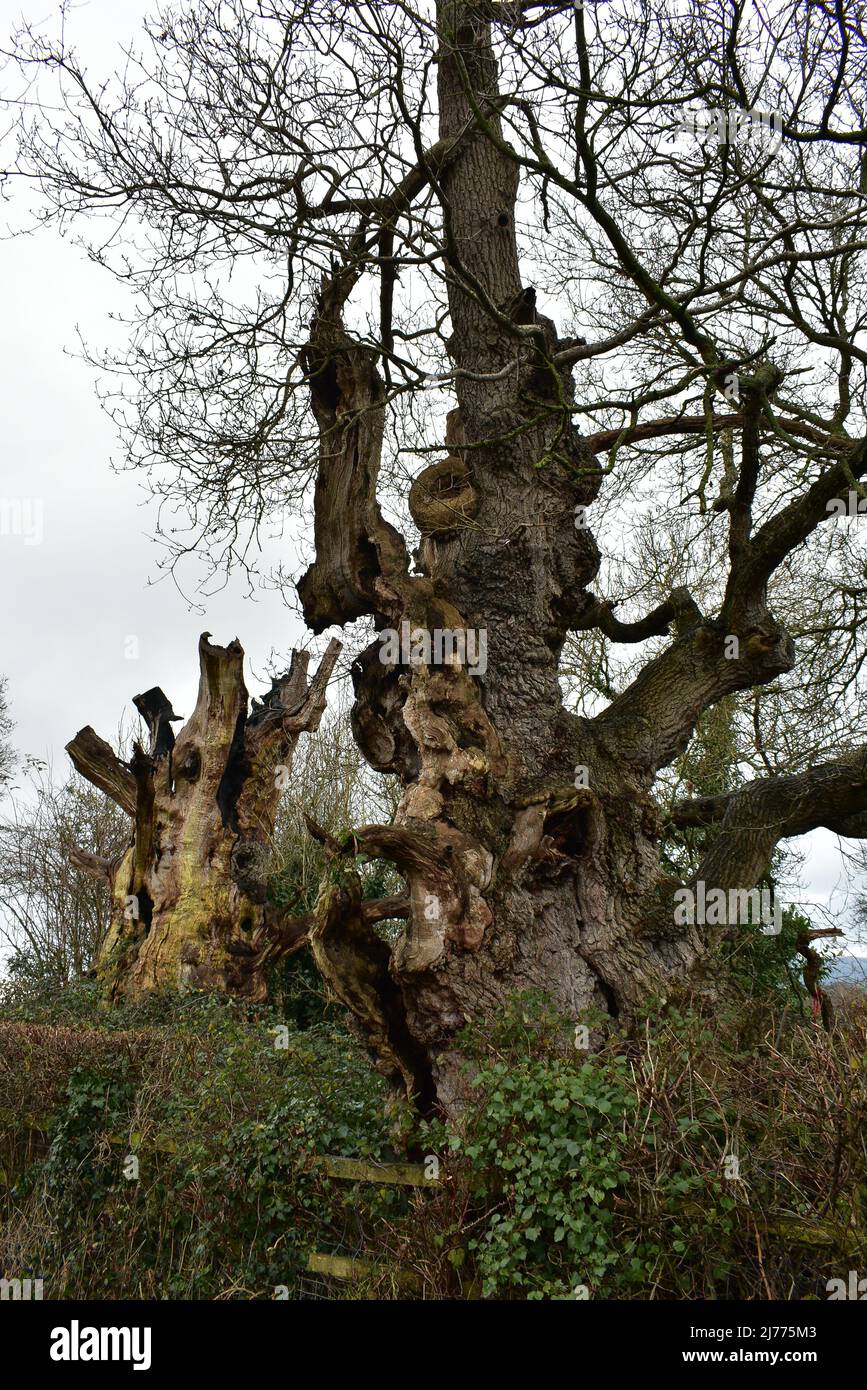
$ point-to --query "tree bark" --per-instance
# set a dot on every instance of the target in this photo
(492, 836)
(528, 837)
(189, 896)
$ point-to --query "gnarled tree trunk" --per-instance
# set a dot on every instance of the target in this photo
(527, 836)
(189, 895)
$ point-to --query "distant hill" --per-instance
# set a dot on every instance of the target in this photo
(850, 970)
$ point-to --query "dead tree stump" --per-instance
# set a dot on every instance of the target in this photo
(189, 895)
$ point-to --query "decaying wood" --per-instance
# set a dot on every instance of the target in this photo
(357, 551)
(189, 896)
(91, 864)
(813, 966)
(527, 837)
(95, 759)
(519, 874)
(354, 962)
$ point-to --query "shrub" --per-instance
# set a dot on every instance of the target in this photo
(681, 1162)
(709, 1154)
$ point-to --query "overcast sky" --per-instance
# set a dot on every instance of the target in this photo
(71, 603)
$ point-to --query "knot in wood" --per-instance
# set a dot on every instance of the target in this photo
(443, 498)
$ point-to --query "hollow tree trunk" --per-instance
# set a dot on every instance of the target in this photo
(527, 836)
(188, 897)
(517, 877)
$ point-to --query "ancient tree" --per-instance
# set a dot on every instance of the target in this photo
(558, 334)
(189, 892)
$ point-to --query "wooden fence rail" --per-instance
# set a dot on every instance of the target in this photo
(334, 1166)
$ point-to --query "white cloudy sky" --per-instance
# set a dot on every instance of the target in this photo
(71, 603)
